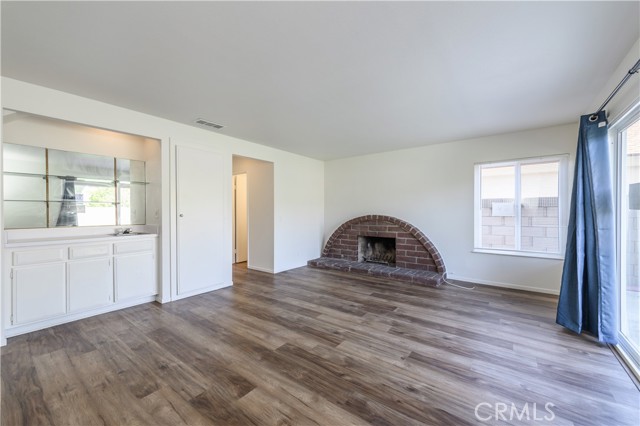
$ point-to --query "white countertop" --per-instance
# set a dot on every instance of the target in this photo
(75, 240)
(29, 241)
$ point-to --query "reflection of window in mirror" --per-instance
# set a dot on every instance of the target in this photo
(54, 188)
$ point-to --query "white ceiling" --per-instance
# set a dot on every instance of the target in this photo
(328, 79)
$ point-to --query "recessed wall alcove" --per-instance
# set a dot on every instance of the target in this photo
(415, 258)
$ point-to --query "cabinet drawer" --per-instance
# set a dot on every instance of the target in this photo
(133, 246)
(89, 251)
(32, 257)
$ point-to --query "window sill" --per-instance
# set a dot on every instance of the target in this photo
(538, 255)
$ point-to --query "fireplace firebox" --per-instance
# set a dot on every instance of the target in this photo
(377, 250)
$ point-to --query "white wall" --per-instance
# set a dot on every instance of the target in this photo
(433, 188)
(299, 203)
(298, 207)
(260, 198)
(628, 95)
(27, 129)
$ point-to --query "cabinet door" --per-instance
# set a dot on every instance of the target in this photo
(135, 276)
(90, 284)
(39, 292)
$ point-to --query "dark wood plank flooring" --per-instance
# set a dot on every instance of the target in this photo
(317, 347)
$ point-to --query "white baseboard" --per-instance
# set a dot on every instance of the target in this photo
(259, 268)
(17, 330)
(504, 285)
(202, 290)
(163, 300)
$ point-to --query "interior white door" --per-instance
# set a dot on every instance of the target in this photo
(240, 217)
(200, 220)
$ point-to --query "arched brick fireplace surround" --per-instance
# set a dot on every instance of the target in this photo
(416, 258)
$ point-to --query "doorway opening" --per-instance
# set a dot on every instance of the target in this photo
(253, 214)
(239, 218)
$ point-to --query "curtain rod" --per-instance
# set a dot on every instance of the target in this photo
(632, 71)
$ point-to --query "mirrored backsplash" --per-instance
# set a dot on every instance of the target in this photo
(47, 188)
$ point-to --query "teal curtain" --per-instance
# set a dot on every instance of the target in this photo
(588, 296)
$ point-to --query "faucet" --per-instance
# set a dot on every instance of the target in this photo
(124, 231)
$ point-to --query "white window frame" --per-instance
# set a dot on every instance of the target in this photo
(563, 203)
(616, 138)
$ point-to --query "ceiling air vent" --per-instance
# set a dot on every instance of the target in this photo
(203, 122)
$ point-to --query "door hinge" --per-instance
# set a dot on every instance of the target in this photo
(11, 274)
(11, 319)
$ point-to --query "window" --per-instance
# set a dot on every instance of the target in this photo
(521, 207)
(626, 134)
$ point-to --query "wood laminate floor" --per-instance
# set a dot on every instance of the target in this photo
(317, 347)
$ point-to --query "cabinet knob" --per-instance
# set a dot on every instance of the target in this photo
(181, 215)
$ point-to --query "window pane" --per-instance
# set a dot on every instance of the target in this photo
(630, 282)
(539, 207)
(497, 188)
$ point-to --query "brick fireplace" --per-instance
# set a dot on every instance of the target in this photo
(414, 257)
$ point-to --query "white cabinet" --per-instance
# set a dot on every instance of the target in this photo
(90, 277)
(50, 285)
(39, 292)
(135, 269)
(135, 276)
(90, 284)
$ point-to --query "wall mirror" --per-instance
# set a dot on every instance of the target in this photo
(47, 188)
